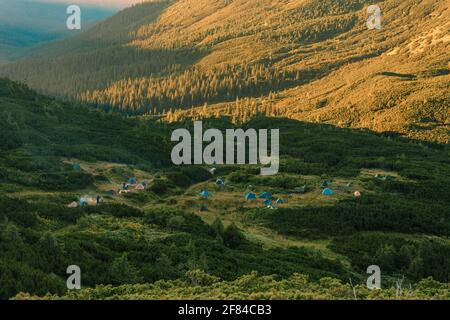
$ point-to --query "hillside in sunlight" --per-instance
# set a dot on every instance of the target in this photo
(310, 60)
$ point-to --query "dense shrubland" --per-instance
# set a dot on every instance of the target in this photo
(199, 285)
(120, 245)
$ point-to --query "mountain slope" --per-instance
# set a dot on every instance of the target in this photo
(141, 240)
(25, 24)
(38, 127)
(166, 55)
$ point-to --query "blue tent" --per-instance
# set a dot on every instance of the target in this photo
(327, 192)
(280, 201)
(76, 167)
(267, 202)
(250, 196)
(265, 195)
(204, 194)
(132, 181)
(326, 183)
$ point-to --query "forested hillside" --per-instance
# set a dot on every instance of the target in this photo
(310, 60)
(166, 237)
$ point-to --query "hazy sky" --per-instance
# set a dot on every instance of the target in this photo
(103, 3)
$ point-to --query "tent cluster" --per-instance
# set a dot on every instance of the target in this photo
(86, 201)
(268, 199)
(327, 191)
(132, 185)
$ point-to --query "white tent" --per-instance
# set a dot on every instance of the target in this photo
(72, 205)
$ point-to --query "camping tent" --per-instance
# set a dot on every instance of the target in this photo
(132, 181)
(205, 194)
(87, 201)
(265, 195)
(272, 207)
(110, 192)
(76, 167)
(267, 202)
(326, 183)
(220, 183)
(212, 171)
(73, 205)
(250, 196)
(280, 201)
(327, 192)
(140, 187)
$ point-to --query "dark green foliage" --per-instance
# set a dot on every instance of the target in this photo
(16, 277)
(50, 128)
(160, 187)
(177, 220)
(116, 210)
(369, 213)
(232, 237)
(122, 271)
(416, 259)
(185, 176)
(218, 227)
